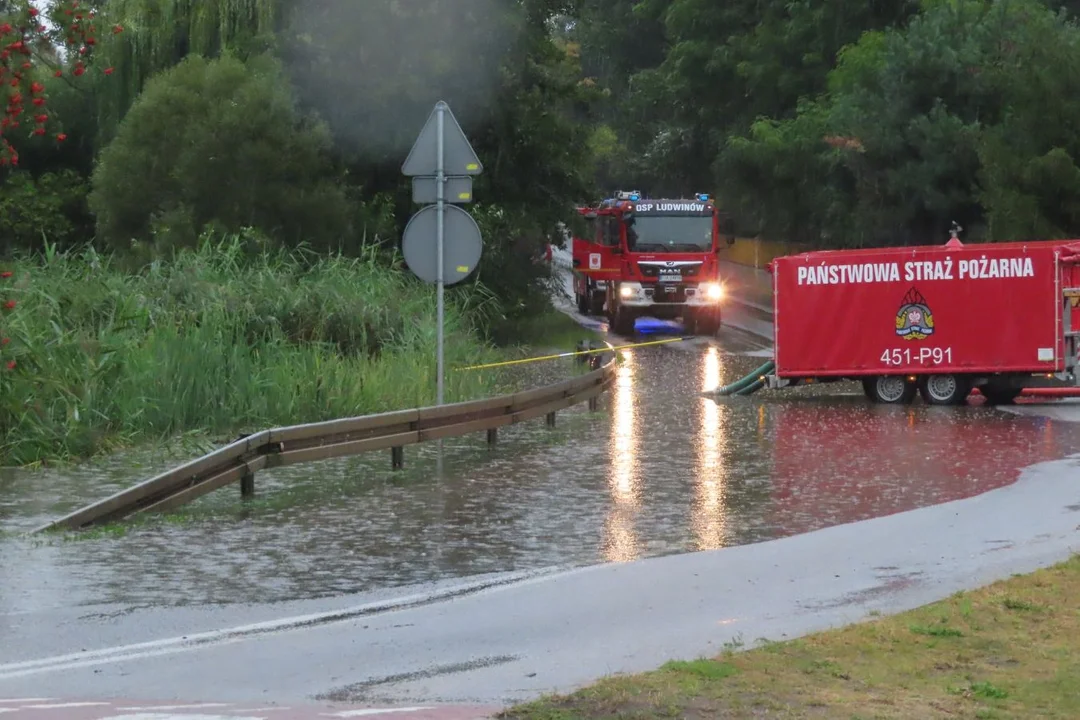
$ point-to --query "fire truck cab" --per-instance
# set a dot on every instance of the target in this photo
(651, 258)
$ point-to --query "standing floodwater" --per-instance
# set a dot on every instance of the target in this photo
(659, 470)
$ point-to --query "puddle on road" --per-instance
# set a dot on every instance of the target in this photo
(659, 470)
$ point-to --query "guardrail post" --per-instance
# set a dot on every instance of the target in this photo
(247, 485)
(397, 458)
(594, 403)
(493, 435)
(551, 420)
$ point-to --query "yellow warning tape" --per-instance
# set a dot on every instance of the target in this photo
(572, 354)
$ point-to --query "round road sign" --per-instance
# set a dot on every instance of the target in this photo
(462, 244)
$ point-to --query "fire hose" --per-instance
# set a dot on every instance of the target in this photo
(749, 384)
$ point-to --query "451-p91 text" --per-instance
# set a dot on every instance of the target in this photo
(918, 356)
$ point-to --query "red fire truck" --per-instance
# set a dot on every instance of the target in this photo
(651, 258)
(931, 320)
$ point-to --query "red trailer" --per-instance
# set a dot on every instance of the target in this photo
(933, 320)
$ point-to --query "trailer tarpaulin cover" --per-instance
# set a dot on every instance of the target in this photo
(1071, 253)
(975, 308)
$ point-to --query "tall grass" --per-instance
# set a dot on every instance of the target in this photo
(215, 340)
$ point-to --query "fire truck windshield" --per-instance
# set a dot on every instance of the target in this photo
(670, 233)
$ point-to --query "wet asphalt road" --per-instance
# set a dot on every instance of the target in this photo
(554, 633)
(660, 471)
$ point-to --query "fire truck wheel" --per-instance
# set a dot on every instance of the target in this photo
(623, 323)
(708, 323)
(944, 389)
(597, 303)
(889, 389)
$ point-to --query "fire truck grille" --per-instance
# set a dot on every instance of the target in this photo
(652, 271)
(666, 293)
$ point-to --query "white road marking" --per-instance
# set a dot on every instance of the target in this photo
(262, 709)
(176, 707)
(241, 633)
(9, 701)
(7, 710)
(105, 660)
(373, 711)
(171, 716)
(55, 706)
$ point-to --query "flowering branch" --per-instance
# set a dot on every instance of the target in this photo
(22, 94)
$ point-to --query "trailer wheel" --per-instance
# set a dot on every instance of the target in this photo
(889, 389)
(944, 389)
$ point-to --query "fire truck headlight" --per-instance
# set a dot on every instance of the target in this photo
(626, 291)
(714, 291)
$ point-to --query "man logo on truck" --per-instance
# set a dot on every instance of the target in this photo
(914, 321)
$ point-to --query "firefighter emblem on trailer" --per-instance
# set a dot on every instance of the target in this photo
(914, 321)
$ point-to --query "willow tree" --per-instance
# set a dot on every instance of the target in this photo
(161, 33)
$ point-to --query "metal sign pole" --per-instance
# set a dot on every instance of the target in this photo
(442, 161)
(440, 198)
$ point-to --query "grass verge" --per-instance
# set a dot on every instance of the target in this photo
(1008, 650)
(554, 330)
(217, 340)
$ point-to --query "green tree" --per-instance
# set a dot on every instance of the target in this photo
(964, 114)
(218, 143)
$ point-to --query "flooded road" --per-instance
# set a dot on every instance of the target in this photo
(658, 470)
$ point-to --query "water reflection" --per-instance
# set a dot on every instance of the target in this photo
(868, 461)
(620, 542)
(661, 470)
(709, 513)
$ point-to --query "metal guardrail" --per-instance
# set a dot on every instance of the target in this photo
(240, 460)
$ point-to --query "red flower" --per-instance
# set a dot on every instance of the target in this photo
(39, 131)
(37, 88)
(5, 29)
(6, 274)
(61, 137)
(117, 29)
(11, 365)
(79, 70)
(10, 305)
(33, 12)
(4, 341)
(58, 73)
(109, 70)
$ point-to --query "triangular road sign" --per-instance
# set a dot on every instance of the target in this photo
(458, 155)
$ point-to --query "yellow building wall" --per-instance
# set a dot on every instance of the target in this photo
(756, 252)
